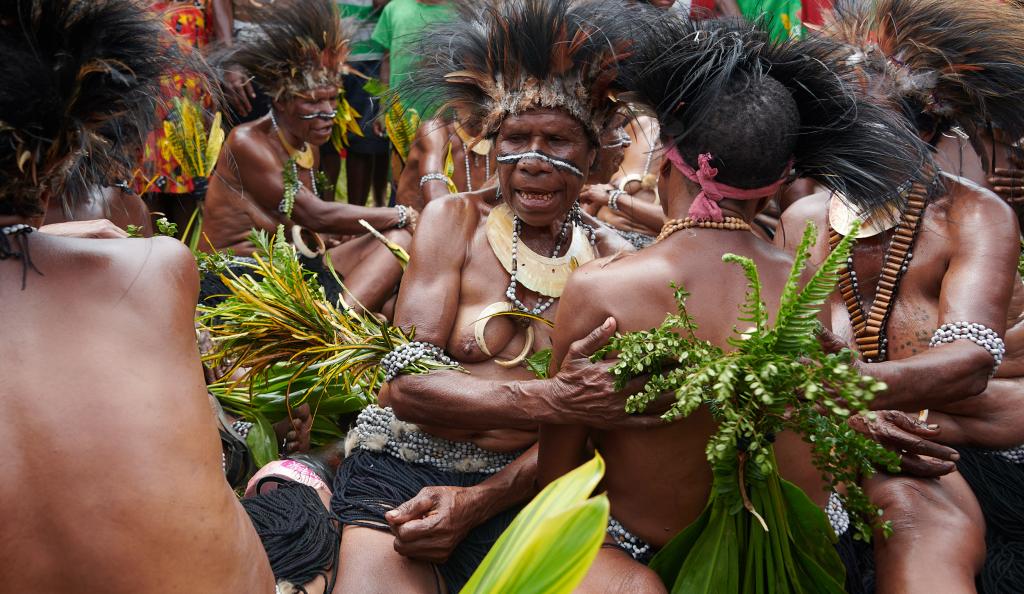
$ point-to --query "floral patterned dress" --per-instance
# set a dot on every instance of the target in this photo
(187, 22)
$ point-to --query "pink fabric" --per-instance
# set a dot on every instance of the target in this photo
(291, 470)
(705, 205)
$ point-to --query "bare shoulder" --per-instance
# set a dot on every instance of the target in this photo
(971, 207)
(246, 143)
(450, 217)
(157, 272)
(618, 278)
(809, 208)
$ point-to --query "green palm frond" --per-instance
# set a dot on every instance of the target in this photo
(753, 311)
(795, 326)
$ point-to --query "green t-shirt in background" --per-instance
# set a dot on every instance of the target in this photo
(398, 30)
(362, 19)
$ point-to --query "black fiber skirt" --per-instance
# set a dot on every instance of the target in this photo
(998, 484)
(369, 484)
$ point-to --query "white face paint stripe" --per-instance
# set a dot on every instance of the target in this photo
(560, 164)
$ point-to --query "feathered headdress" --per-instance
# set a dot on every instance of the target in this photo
(961, 63)
(685, 71)
(301, 46)
(505, 57)
(79, 81)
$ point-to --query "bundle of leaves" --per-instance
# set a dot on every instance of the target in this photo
(291, 184)
(346, 121)
(760, 533)
(291, 345)
(196, 150)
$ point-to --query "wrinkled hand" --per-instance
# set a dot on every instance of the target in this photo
(429, 526)
(239, 91)
(583, 392)
(95, 229)
(830, 342)
(379, 129)
(1009, 184)
(897, 431)
(596, 194)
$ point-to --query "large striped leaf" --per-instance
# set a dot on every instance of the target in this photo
(550, 545)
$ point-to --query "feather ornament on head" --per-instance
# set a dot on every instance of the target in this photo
(79, 84)
(766, 110)
(503, 58)
(302, 45)
(960, 62)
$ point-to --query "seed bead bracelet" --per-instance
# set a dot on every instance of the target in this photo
(979, 334)
(242, 428)
(436, 177)
(395, 362)
(613, 199)
(403, 216)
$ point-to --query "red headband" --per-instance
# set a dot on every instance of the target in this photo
(705, 205)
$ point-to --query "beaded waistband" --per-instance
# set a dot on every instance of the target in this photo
(1015, 455)
(379, 430)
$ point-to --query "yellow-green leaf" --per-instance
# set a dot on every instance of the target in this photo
(550, 545)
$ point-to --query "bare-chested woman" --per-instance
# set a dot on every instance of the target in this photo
(463, 464)
(715, 182)
(964, 243)
(300, 57)
(113, 471)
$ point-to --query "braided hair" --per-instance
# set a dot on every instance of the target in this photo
(300, 535)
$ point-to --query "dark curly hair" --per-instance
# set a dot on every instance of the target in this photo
(79, 83)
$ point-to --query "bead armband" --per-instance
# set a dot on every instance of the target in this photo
(979, 334)
(437, 177)
(403, 216)
(404, 355)
(613, 199)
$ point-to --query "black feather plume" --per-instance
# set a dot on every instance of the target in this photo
(302, 45)
(687, 71)
(500, 58)
(952, 62)
(79, 84)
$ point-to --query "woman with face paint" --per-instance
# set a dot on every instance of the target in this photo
(537, 78)
(299, 58)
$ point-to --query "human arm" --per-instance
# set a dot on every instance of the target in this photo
(95, 229)
(429, 526)
(581, 391)
(236, 82)
(425, 156)
(261, 175)
(639, 211)
(223, 21)
(983, 240)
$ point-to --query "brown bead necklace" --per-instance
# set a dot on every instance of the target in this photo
(869, 327)
(726, 224)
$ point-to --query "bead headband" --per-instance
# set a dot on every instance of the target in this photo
(705, 205)
(514, 158)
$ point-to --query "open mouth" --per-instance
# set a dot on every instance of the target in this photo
(535, 199)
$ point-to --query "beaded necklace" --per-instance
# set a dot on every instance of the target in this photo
(542, 305)
(469, 176)
(295, 156)
(870, 326)
(726, 224)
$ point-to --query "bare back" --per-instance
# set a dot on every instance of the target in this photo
(658, 480)
(114, 467)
